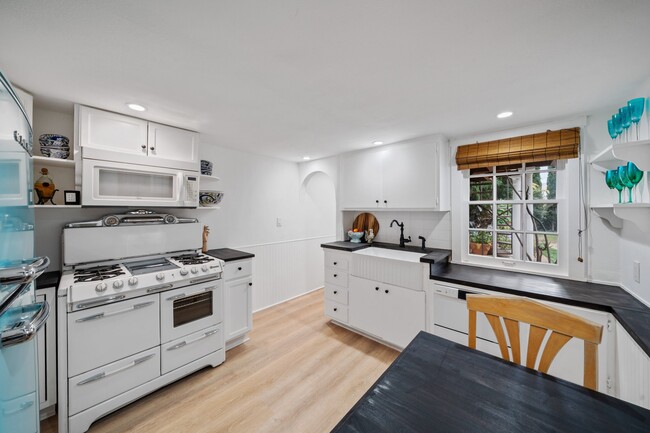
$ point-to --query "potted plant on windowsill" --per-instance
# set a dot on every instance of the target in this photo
(480, 243)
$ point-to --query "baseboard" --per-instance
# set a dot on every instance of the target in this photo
(289, 299)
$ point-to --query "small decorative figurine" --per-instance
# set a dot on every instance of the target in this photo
(44, 187)
(206, 232)
(370, 235)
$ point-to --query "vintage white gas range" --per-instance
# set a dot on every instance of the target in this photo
(139, 307)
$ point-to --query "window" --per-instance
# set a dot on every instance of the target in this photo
(515, 216)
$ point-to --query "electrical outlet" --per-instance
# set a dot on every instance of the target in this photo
(278, 222)
(636, 270)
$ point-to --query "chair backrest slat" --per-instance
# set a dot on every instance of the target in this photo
(541, 318)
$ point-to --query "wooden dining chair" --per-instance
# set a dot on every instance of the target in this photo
(542, 318)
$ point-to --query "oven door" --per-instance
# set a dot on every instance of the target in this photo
(190, 309)
(107, 183)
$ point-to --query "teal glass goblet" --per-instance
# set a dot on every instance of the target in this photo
(618, 125)
(613, 182)
(625, 180)
(633, 173)
(626, 120)
(611, 129)
(636, 106)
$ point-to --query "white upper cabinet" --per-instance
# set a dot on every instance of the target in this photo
(411, 175)
(115, 137)
(166, 142)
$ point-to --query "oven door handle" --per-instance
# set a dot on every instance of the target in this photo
(185, 343)
(176, 297)
(114, 313)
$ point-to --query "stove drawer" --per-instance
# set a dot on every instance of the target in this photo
(98, 336)
(96, 386)
(179, 352)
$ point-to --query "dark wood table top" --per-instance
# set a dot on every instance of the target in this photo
(436, 385)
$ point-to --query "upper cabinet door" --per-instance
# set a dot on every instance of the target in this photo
(361, 179)
(173, 144)
(106, 131)
(409, 176)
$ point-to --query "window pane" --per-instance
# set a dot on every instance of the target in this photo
(509, 216)
(509, 187)
(480, 216)
(542, 217)
(480, 243)
(480, 188)
(541, 185)
(541, 248)
(510, 245)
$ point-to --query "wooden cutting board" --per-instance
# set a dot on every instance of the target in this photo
(365, 221)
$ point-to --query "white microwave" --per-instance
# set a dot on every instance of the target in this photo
(107, 183)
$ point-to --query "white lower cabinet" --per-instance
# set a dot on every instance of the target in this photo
(390, 313)
(238, 301)
(633, 367)
(179, 352)
(46, 347)
(88, 389)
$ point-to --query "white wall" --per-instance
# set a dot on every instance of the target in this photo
(258, 191)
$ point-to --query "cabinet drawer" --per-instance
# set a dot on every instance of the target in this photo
(336, 294)
(338, 277)
(96, 386)
(238, 269)
(336, 260)
(179, 352)
(20, 413)
(101, 335)
(336, 311)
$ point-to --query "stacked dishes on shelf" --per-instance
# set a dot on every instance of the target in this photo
(206, 167)
(54, 146)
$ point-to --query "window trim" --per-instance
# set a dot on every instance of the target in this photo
(561, 194)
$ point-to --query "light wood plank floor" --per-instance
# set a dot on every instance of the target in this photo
(298, 373)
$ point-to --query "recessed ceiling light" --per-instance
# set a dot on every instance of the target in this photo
(504, 114)
(377, 143)
(306, 158)
(136, 107)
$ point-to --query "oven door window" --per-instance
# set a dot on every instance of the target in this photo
(192, 308)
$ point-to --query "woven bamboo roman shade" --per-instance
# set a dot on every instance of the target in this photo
(545, 146)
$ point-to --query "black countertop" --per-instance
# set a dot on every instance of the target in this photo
(436, 385)
(48, 279)
(629, 311)
(229, 255)
(433, 255)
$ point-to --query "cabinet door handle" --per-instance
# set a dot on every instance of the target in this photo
(386, 290)
(250, 284)
(377, 288)
(377, 201)
(334, 263)
(385, 201)
(144, 146)
(335, 275)
(152, 148)
(239, 268)
(336, 291)
(336, 309)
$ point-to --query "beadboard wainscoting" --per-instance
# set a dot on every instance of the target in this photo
(284, 270)
(633, 369)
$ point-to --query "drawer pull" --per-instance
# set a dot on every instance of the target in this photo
(185, 343)
(104, 374)
(114, 313)
(336, 309)
(334, 263)
(101, 302)
(336, 291)
(386, 290)
(239, 268)
(335, 275)
(250, 284)
(22, 407)
(377, 288)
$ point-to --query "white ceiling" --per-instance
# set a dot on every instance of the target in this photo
(290, 78)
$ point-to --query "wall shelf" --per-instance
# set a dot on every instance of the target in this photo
(637, 213)
(58, 206)
(607, 213)
(208, 207)
(54, 162)
(210, 178)
(619, 153)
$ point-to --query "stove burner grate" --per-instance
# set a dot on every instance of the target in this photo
(97, 273)
(193, 259)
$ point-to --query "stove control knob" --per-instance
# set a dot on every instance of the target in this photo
(133, 281)
(204, 268)
(101, 287)
(183, 271)
(118, 284)
(160, 276)
(195, 269)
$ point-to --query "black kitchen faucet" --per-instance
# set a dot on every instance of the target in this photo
(402, 241)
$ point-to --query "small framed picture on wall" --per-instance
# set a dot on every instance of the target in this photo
(72, 197)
